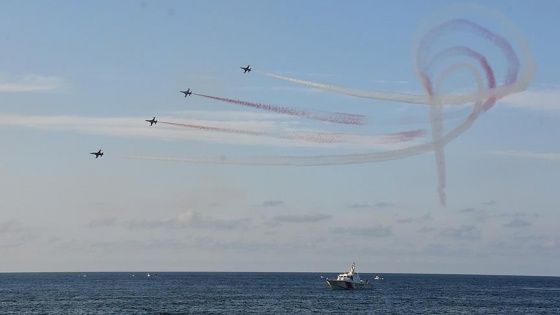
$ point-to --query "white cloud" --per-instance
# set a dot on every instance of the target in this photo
(542, 99)
(30, 83)
(530, 154)
(189, 219)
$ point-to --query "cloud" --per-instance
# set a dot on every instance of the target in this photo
(365, 205)
(423, 218)
(272, 203)
(464, 232)
(101, 222)
(360, 206)
(10, 226)
(384, 205)
(139, 245)
(516, 223)
(302, 218)
(208, 243)
(530, 154)
(541, 99)
(474, 211)
(374, 231)
(480, 214)
(489, 203)
(444, 250)
(425, 229)
(549, 85)
(30, 83)
(188, 219)
(551, 245)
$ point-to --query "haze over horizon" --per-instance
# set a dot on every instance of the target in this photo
(330, 151)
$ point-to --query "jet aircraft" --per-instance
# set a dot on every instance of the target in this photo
(187, 92)
(97, 154)
(152, 121)
(246, 69)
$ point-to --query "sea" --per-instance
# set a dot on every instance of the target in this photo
(273, 293)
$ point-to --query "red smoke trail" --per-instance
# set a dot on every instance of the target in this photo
(317, 137)
(210, 128)
(340, 118)
(404, 136)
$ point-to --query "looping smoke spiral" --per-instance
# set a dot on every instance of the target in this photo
(427, 62)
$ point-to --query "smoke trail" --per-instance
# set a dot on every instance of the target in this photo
(516, 79)
(424, 67)
(340, 118)
(210, 128)
(317, 137)
(483, 99)
(377, 95)
(309, 136)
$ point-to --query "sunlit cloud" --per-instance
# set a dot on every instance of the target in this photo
(30, 83)
(542, 99)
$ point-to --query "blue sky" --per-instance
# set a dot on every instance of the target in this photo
(76, 77)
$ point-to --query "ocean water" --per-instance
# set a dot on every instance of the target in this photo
(273, 293)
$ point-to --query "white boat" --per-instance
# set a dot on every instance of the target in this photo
(348, 281)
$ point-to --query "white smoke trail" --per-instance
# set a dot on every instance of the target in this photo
(441, 100)
(320, 160)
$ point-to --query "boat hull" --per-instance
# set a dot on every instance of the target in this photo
(347, 285)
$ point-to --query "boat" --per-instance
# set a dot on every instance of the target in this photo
(349, 281)
(378, 278)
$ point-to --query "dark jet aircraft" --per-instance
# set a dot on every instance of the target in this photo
(187, 92)
(97, 154)
(246, 69)
(152, 121)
